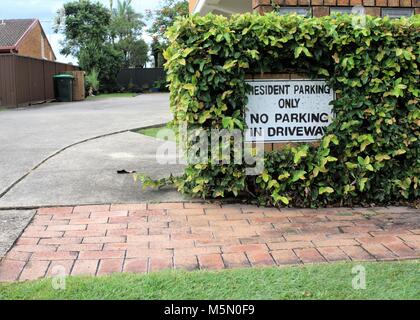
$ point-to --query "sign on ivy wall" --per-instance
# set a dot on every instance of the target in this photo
(288, 110)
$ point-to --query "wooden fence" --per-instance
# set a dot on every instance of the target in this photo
(25, 81)
(140, 78)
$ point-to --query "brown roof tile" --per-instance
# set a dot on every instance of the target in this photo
(11, 31)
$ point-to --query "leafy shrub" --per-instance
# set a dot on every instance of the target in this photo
(106, 60)
(162, 85)
(92, 82)
(132, 87)
(371, 151)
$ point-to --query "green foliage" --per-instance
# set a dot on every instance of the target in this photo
(126, 28)
(157, 52)
(386, 280)
(162, 85)
(85, 26)
(138, 51)
(371, 151)
(106, 60)
(162, 19)
(92, 82)
(83, 23)
(102, 39)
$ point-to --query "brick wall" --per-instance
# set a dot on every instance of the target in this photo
(322, 7)
(31, 45)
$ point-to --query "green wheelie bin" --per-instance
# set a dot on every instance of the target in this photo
(63, 87)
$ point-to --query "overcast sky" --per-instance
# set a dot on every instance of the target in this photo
(45, 11)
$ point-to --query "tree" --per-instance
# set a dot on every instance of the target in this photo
(163, 18)
(103, 39)
(86, 26)
(126, 29)
(106, 59)
(138, 56)
(157, 52)
(82, 24)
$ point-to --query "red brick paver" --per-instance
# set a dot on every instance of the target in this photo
(142, 238)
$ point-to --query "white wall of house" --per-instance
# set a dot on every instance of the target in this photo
(224, 7)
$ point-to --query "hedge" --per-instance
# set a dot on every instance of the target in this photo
(370, 154)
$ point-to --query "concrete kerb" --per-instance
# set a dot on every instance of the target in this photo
(11, 235)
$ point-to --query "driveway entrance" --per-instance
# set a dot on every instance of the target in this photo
(37, 170)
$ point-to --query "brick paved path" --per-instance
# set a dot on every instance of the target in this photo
(100, 240)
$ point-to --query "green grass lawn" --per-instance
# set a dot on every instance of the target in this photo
(152, 132)
(112, 95)
(393, 280)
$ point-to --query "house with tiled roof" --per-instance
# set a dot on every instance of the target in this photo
(25, 37)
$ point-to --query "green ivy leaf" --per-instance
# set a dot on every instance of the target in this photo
(298, 175)
(265, 176)
(284, 176)
(273, 183)
(230, 64)
(362, 184)
(399, 152)
(382, 157)
(370, 167)
(191, 88)
(323, 72)
(285, 200)
(351, 166)
(227, 123)
(299, 154)
(187, 51)
(327, 190)
(298, 51)
(276, 197)
(197, 189)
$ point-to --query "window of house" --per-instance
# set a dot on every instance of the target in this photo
(397, 12)
(303, 11)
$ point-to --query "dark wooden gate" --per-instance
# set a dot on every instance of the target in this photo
(140, 78)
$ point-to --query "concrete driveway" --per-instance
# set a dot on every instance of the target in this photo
(69, 154)
(36, 171)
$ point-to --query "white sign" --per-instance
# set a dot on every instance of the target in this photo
(288, 110)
